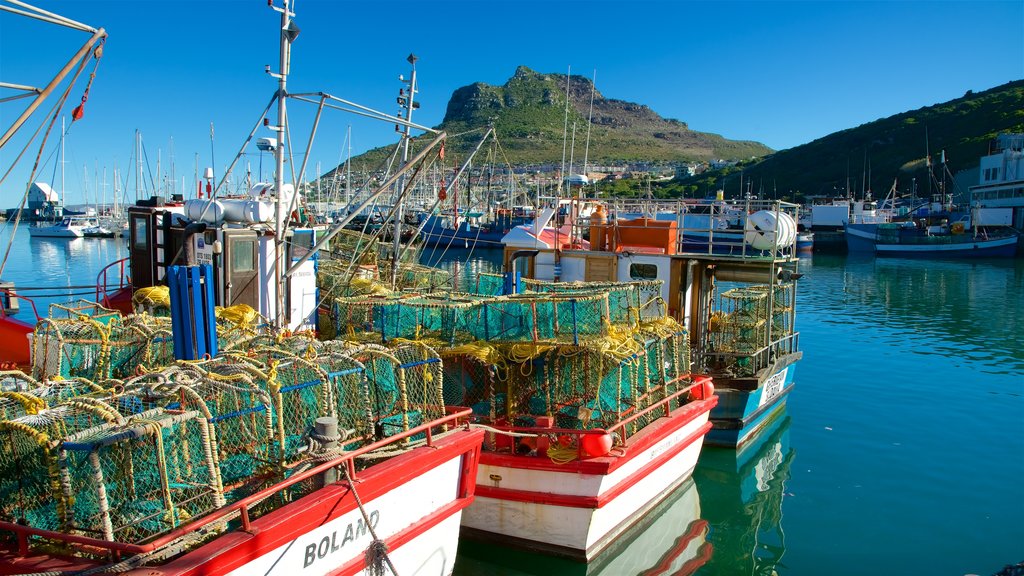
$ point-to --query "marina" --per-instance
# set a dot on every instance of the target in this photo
(856, 466)
(239, 379)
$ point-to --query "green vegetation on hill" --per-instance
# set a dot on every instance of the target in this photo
(528, 113)
(894, 147)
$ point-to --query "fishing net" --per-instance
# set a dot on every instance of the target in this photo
(107, 466)
(740, 324)
(629, 303)
(150, 452)
(475, 282)
(21, 395)
(96, 350)
(79, 308)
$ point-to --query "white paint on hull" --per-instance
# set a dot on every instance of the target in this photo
(581, 529)
(345, 538)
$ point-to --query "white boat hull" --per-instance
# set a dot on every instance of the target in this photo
(577, 513)
(55, 232)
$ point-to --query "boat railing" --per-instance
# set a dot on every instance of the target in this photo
(456, 415)
(711, 227)
(103, 284)
(9, 294)
(575, 435)
(756, 359)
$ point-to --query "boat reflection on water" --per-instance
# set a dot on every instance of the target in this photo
(741, 496)
(670, 539)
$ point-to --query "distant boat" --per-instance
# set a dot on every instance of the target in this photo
(470, 230)
(69, 227)
(804, 241)
(908, 239)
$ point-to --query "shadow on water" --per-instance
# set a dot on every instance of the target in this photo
(670, 539)
(741, 495)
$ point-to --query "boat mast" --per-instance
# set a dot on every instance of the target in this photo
(288, 34)
(63, 191)
(138, 163)
(406, 102)
(348, 167)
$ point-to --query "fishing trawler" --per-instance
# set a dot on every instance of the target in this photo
(735, 294)
(237, 445)
(585, 389)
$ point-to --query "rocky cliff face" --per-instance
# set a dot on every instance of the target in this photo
(529, 114)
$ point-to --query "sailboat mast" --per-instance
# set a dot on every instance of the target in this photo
(590, 122)
(138, 163)
(63, 191)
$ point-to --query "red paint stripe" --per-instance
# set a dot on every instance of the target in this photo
(575, 501)
(697, 528)
(650, 435)
(294, 520)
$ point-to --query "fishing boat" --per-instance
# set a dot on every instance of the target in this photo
(805, 242)
(735, 294)
(267, 452)
(912, 239)
(592, 412)
(672, 538)
(471, 229)
(939, 229)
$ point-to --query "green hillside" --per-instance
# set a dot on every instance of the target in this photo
(528, 113)
(893, 147)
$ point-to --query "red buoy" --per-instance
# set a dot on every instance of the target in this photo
(597, 445)
(702, 389)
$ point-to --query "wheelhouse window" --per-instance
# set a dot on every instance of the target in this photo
(140, 239)
(242, 256)
(643, 271)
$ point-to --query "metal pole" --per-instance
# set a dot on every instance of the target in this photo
(279, 227)
(101, 33)
(369, 200)
(400, 209)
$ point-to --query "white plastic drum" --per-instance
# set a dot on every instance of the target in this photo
(768, 230)
(248, 211)
(265, 191)
(209, 211)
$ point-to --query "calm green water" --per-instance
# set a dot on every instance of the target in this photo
(901, 450)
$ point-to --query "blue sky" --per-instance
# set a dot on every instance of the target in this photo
(782, 73)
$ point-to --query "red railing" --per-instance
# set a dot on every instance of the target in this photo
(13, 294)
(664, 404)
(102, 285)
(455, 414)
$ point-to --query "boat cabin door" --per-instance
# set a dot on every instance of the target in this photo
(241, 284)
(142, 240)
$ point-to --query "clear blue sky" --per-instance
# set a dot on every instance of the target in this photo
(782, 73)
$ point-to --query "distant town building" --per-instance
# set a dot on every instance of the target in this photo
(1001, 178)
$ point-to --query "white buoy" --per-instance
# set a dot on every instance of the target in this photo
(768, 230)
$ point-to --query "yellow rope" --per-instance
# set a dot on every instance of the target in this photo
(562, 455)
(240, 315)
(152, 296)
(30, 403)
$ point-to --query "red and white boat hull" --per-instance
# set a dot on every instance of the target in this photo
(414, 503)
(577, 509)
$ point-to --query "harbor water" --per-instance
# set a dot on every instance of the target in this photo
(900, 451)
